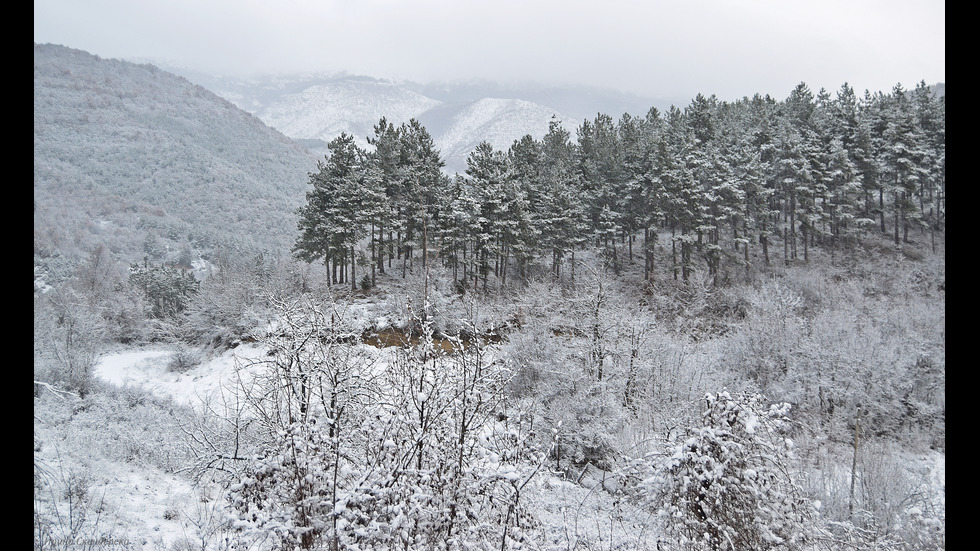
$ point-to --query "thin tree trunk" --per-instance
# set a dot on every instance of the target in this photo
(764, 241)
(881, 208)
(857, 435)
(381, 250)
(785, 246)
(806, 245)
(673, 251)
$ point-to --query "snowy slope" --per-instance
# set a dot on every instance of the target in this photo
(144, 502)
(495, 120)
(126, 155)
(323, 111)
(323, 108)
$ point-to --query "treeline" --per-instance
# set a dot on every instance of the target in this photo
(714, 182)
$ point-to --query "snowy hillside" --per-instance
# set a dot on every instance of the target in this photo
(354, 106)
(695, 330)
(498, 121)
(147, 501)
(117, 466)
(147, 164)
(322, 108)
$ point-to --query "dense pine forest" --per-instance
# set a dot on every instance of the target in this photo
(720, 326)
(727, 187)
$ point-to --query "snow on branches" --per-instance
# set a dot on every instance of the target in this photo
(727, 486)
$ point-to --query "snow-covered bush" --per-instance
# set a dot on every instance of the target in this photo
(228, 307)
(69, 334)
(728, 485)
(415, 451)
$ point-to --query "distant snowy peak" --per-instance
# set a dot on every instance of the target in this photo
(317, 110)
(497, 121)
(323, 111)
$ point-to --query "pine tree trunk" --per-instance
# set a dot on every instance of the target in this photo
(673, 251)
(353, 262)
(503, 267)
(792, 226)
(896, 228)
(455, 268)
(905, 219)
(745, 247)
(881, 209)
(806, 246)
(785, 246)
(374, 257)
(381, 250)
(764, 240)
(615, 259)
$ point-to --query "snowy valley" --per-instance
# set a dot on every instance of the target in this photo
(331, 322)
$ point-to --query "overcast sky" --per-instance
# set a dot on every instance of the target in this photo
(653, 48)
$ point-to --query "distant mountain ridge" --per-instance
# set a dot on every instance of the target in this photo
(323, 111)
(322, 108)
(458, 116)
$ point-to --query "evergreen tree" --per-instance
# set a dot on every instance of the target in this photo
(386, 158)
(634, 141)
(602, 174)
(931, 120)
(563, 217)
(874, 120)
(521, 237)
(459, 229)
(330, 223)
(904, 159)
(423, 181)
(681, 160)
(489, 172)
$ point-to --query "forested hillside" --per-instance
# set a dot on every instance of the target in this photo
(719, 326)
(148, 165)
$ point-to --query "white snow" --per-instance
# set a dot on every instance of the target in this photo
(148, 369)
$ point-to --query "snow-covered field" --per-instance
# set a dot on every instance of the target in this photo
(148, 369)
(135, 497)
(129, 502)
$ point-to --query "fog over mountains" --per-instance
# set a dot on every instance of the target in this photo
(316, 109)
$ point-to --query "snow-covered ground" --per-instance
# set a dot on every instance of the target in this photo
(149, 369)
(129, 504)
(142, 506)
